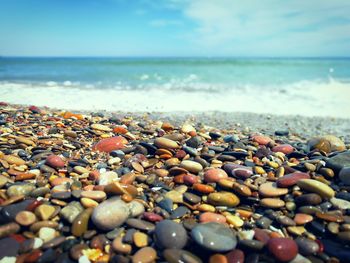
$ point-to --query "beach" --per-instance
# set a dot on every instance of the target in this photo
(98, 185)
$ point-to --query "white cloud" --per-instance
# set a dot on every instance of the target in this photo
(267, 26)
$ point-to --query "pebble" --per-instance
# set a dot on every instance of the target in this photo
(214, 236)
(223, 199)
(110, 213)
(80, 223)
(110, 144)
(25, 218)
(272, 202)
(191, 166)
(307, 247)
(283, 249)
(20, 189)
(169, 234)
(165, 143)
(94, 195)
(316, 187)
(291, 179)
(270, 189)
(55, 161)
(284, 148)
(344, 175)
(145, 255)
(173, 255)
(214, 175)
(327, 143)
(212, 217)
(47, 233)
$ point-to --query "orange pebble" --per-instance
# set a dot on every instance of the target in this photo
(218, 258)
(203, 188)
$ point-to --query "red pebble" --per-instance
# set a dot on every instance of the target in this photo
(212, 217)
(153, 217)
(235, 256)
(110, 144)
(54, 161)
(214, 175)
(283, 249)
(291, 179)
(34, 109)
(284, 148)
(180, 154)
(261, 139)
(31, 207)
(190, 179)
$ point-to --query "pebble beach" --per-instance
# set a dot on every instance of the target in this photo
(172, 187)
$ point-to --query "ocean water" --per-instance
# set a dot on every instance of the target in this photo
(309, 87)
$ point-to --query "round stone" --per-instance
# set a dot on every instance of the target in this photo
(110, 213)
(214, 175)
(169, 234)
(327, 143)
(214, 236)
(55, 161)
(145, 255)
(25, 218)
(316, 187)
(270, 189)
(261, 139)
(307, 247)
(283, 249)
(302, 219)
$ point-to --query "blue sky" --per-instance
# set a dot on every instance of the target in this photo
(174, 28)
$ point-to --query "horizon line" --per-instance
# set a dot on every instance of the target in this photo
(160, 56)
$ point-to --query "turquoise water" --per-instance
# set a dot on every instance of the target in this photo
(183, 73)
(318, 86)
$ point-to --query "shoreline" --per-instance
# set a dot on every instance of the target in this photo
(304, 126)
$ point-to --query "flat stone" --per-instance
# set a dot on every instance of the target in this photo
(100, 127)
(235, 256)
(174, 196)
(165, 143)
(140, 224)
(316, 187)
(308, 199)
(192, 198)
(302, 219)
(47, 233)
(110, 144)
(191, 166)
(120, 247)
(140, 239)
(169, 234)
(272, 202)
(214, 236)
(94, 195)
(291, 179)
(135, 208)
(45, 211)
(340, 203)
(270, 189)
(12, 159)
(283, 249)
(173, 255)
(261, 139)
(239, 171)
(110, 213)
(284, 148)
(223, 199)
(8, 229)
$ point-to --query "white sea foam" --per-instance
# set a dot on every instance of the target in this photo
(307, 98)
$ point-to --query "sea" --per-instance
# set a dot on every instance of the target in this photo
(284, 86)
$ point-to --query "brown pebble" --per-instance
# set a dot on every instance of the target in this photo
(145, 255)
(25, 218)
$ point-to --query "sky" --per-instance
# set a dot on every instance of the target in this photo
(248, 28)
